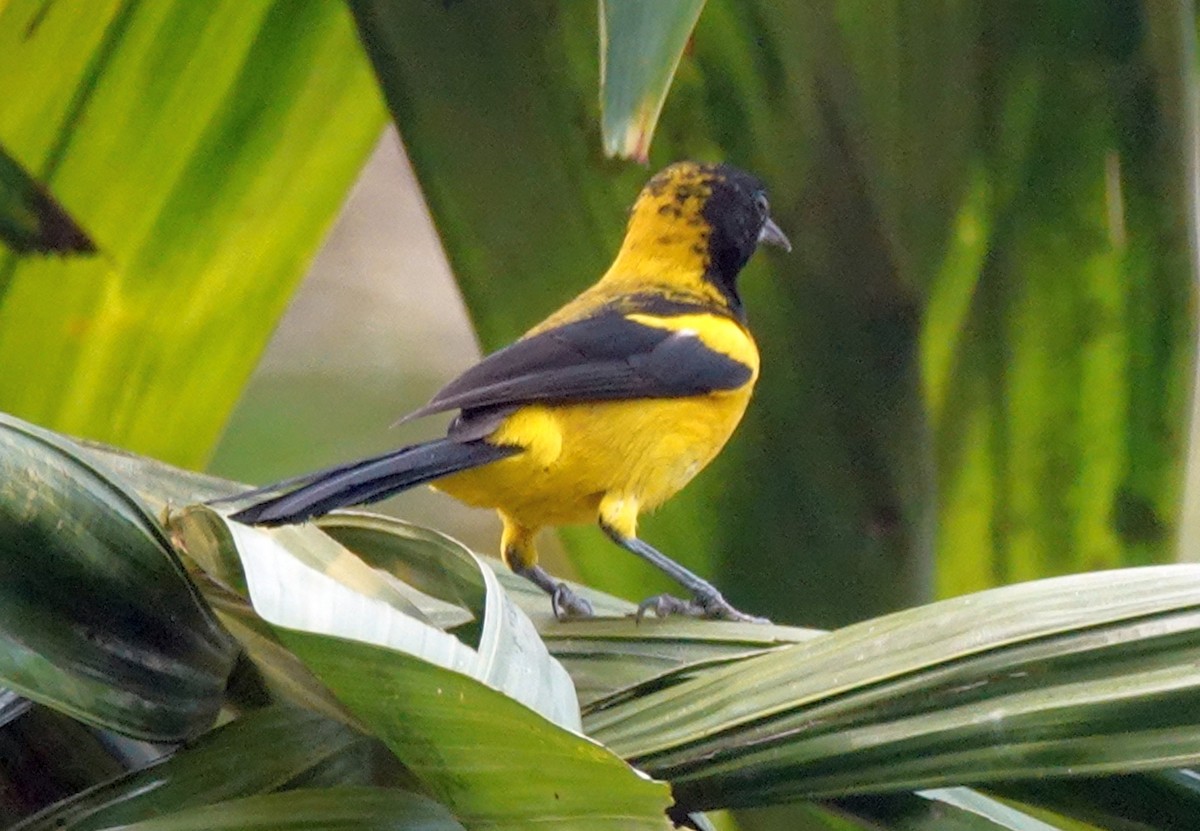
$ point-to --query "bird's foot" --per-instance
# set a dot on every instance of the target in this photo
(708, 606)
(567, 605)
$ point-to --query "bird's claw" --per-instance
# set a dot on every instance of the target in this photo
(709, 607)
(567, 605)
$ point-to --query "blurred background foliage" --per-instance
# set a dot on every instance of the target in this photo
(978, 360)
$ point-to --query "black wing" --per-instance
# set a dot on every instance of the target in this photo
(604, 357)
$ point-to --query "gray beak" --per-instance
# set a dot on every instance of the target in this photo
(771, 235)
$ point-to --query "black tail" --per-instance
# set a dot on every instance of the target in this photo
(367, 480)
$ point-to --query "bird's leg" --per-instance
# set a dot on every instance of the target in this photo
(519, 555)
(567, 605)
(706, 601)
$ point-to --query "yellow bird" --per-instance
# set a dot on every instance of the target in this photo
(606, 408)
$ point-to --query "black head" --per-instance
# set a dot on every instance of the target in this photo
(722, 210)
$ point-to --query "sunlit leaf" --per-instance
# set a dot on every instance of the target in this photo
(495, 762)
(206, 148)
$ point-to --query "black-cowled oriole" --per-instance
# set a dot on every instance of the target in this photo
(605, 409)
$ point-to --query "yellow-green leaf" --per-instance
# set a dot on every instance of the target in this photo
(206, 148)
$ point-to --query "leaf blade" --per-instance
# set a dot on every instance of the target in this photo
(91, 587)
(640, 48)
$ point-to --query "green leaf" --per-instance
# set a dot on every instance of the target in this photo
(46, 756)
(608, 659)
(323, 809)
(1059, 334)
(993, 813)
(1021, 682)
(269, 750)
(157, 483)
(493, 761)
(98, 618)
(640, 47)
(206, 148)
(331, 591)
(604, 656)
(942, 809)
(426, 694)
(31, 220)
(281, 676)
(1168, 799)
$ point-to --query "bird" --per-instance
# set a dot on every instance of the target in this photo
(605, 409)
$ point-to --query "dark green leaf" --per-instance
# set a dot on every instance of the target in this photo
(46, 757)
(97, 617)
(323, 809)
(1167, 800)
(266, 751)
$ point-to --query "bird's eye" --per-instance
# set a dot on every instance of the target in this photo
(760, 202)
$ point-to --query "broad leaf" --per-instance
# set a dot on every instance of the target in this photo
(206, 148)
(495, 762)
(299, 578)
(266, 751)
(321, 809)
(1025, 681)
(97, 617)
(425, 693)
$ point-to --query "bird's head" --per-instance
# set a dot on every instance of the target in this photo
(696, 220)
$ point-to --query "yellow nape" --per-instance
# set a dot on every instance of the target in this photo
(665, 252)
(667, 234)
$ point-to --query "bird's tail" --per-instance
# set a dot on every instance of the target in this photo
(367, 480)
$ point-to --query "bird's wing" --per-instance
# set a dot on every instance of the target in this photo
(604, 357)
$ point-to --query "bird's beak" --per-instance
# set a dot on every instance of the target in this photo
(771, 235)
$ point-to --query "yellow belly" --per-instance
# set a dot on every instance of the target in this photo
(577, 454)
